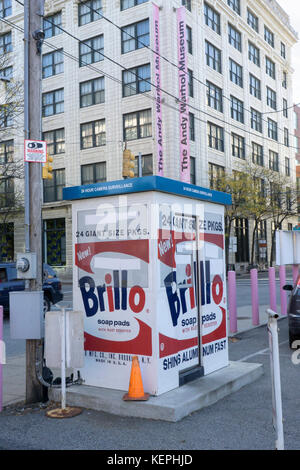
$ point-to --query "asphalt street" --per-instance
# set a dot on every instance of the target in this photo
(241, 421)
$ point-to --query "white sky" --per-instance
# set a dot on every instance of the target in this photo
(292, 9)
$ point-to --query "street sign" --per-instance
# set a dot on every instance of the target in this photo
(35, 151)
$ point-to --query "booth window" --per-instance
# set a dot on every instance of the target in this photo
(54, 241)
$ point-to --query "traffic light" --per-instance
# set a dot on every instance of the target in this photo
(128, 164)
(47, 168)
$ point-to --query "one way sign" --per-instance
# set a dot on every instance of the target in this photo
(35, 151)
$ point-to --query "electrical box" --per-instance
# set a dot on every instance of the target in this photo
(26, 265)
(26, 314)
(74, 339)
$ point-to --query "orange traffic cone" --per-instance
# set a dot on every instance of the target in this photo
(136, 389)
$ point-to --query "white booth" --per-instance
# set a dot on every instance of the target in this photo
(149, 274)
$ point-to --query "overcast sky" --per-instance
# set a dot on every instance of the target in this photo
(292, 9)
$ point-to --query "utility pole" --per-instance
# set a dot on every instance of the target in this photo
(33, 12)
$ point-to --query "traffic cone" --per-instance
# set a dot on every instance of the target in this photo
(136, 389)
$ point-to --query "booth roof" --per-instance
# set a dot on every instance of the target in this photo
(146, 183)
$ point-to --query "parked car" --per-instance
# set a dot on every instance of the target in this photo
(9, 282)
(294, 311)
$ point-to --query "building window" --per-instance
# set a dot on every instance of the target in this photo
(237, 146)
(212, 18)
(187, 4)
(53, 102)
(213, 57)
(6, 117)
(284, 80)
(147, 165)
(253, 54)
(256, 120)
(272, 129)
(135, 36)
(285, 107)
(54, 242)
(254, 86)
(7, 241)
(269, 36)
(283, 50)
(53, 189)
(137, 125)
(252, 20)
(289, 204)
(189, 39)
(7, 192)
(216, 174)
(92, 92)
(257, 154)
(287, 167)
(93, 173)
(214, 96)
(5, 43)
(215, 137)
(91, 50)
(7, 72)
(92, 134)
(270, 68)
(50, 24)
(271, 98)
(52, 63)
(286, 137)
(234, 37)
(273, 161)
(192, 170)
(242, 234)
(192, 126)
(125, 4)
(235, 5)
(5, 8)
(237, 109)
(191, 83)
(89, 11)
(55, 141)
(6, 152)
(236, 73)
(136, 80)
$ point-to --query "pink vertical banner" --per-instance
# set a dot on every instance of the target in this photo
(272, 289)
(1, 357)
(185, 174)
(232, 302)
(295, 273)
(158, 97)
(283, 298)
(254, 296)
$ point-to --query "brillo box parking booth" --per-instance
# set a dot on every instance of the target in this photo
(149, 275)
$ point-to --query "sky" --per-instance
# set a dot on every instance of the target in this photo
(292, 9)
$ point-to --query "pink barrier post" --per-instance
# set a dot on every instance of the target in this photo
(272, 289)
(254, 296)
(283, 297)
(295, 273)
(232, 301)
(1, 374)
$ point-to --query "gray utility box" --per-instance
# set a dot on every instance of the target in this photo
(26, 315)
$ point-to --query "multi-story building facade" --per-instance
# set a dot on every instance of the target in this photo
(100, 90)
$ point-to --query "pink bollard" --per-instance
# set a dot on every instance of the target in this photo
(232, 301)
(1, 373)
(295, 273)
(272, 289)
(283, 297)
(254, 296)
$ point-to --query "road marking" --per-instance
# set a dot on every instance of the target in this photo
(262, 351)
